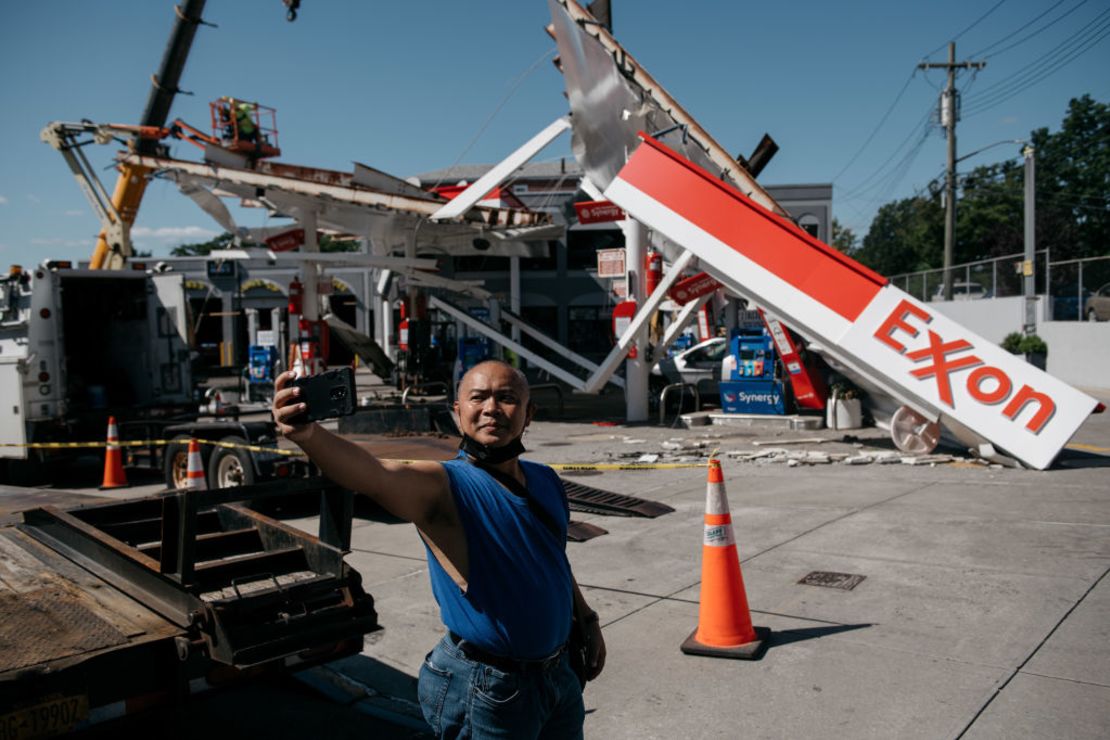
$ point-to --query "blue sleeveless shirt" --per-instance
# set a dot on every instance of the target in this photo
(519, 593)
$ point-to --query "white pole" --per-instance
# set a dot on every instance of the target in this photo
(636, 370)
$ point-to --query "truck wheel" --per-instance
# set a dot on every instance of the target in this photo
(230, 467)
(176, 462)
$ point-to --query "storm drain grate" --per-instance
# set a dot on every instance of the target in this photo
(828, 579)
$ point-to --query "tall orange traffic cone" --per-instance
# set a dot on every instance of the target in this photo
(113, 459)
(724, 621)
(194, 474)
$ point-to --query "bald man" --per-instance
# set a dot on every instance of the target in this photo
(494, 527)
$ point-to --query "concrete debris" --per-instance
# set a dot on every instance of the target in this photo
(802, 441)
(648, 458)
(859, 460)
(927, 460)
(633, 441)
(792, 463)
(668, 445)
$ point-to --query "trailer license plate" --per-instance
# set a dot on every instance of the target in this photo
(49, 718)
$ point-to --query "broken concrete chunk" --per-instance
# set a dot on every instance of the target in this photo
(648, 458)
(859, 460)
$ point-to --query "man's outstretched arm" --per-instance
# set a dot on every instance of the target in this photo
(418, 492)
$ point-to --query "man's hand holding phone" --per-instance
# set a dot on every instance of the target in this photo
(289, 409)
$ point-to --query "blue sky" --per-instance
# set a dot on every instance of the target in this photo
(413, 86)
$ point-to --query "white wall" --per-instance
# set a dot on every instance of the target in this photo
(990, 318)
(1078, 351)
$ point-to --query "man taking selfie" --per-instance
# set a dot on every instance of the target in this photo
(494, 527)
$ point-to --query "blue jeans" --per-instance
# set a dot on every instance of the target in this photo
(462, 698)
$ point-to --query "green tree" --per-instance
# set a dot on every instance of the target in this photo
(906, 235)
(843, 238)
(200, 249)
(328, 243)
(1072, 207)
(1073, 182)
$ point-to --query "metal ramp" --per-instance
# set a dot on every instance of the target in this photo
(596, 501)
(247, 589)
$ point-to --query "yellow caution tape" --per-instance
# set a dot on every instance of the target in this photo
(151, 443)
(582, 467)
(1087, 448)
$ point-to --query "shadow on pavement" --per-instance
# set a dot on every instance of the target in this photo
(1078, 459)
(785, 637)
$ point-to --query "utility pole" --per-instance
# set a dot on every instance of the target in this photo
(1028, 270)
(948, 115)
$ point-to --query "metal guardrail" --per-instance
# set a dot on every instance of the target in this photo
(682, 388)
(423, 386)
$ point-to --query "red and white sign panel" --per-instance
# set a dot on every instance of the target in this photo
(692, 288)
(610, 263)
(809, 390)
(598, 211)
(286, 241)
(926, 359)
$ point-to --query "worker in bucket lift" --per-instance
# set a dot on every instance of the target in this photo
(243, 113)
(494, 527)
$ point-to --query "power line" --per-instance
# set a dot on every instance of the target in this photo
(890, 109)
(1059, 56)
(1009, 36)
(878, 126)
(515, 85)
(892, 179)
(974, 23)
(862, 185)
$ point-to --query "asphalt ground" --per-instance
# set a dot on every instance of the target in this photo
(983, 612)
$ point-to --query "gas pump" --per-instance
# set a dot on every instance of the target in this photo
(750, 383)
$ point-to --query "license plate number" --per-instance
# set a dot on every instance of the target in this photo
(48, 718)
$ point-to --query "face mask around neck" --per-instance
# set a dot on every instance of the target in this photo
(491, 455)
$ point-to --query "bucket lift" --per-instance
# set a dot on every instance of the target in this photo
(244, 127)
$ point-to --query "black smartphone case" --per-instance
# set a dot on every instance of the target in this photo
(328, 395)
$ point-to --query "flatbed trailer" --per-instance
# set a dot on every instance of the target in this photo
(109, 609)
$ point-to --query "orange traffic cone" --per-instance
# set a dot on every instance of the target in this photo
(194, 475)
(724, 622)
(113, 459)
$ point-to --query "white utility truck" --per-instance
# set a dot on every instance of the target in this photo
(78, 346)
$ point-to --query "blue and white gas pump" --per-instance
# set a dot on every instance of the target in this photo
(749, 384)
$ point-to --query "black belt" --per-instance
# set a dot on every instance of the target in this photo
(500, 662)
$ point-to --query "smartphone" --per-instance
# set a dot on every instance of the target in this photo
(327, 395)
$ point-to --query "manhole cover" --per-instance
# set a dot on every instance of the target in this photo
(828, 579)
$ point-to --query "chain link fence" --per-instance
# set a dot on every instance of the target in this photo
(1067, 283)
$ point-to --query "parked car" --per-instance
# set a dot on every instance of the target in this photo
(1098, 305)
(700, 365)
(963, 291)
(1068, 302)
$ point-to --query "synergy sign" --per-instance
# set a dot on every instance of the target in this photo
(928, 361)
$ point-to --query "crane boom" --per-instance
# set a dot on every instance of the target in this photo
(113, 245)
